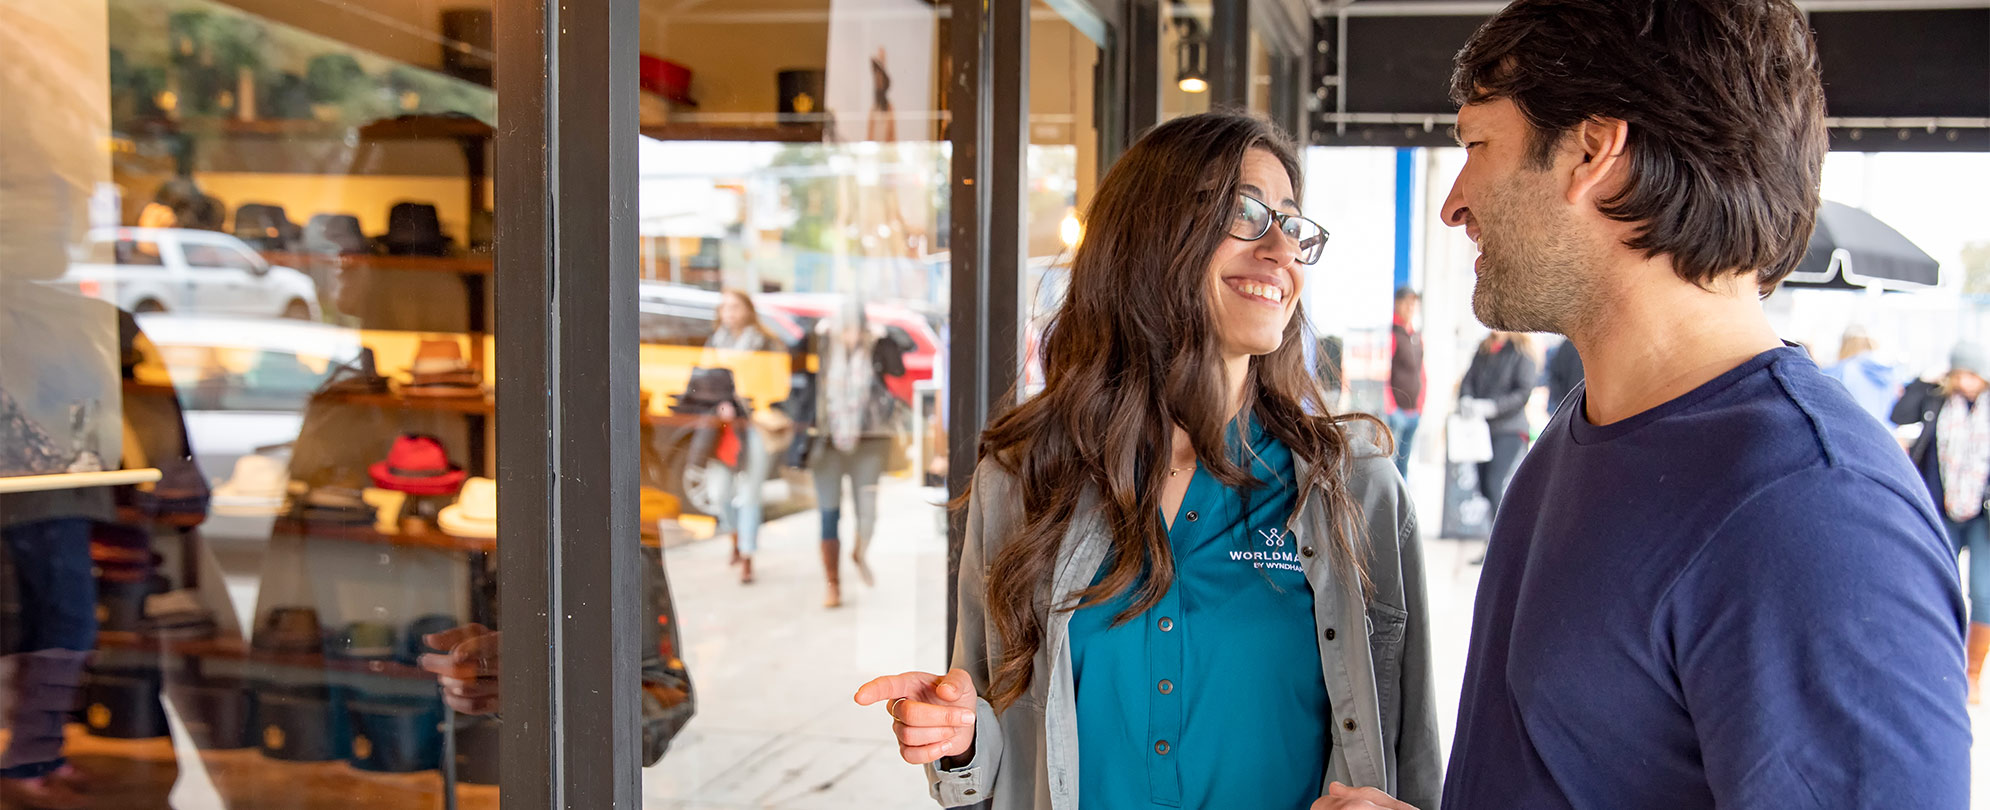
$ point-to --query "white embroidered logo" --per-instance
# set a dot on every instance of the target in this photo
(1274, 554)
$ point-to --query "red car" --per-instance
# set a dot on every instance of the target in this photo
(909, 328)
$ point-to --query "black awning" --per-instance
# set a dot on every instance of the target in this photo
(1852, 249)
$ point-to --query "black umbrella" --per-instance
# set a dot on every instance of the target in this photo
(1852, 249)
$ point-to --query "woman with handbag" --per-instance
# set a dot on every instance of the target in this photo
(739, 335)
(857, 421)
(1497, 385)
(1185, 582)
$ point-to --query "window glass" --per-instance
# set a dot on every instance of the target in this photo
(246, 412)
(793, 215)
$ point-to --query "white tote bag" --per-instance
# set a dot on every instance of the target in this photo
(1467, 439)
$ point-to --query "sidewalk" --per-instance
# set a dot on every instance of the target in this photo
(774, 671)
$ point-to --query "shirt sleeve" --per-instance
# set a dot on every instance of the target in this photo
(973, 782)
(1817, 644)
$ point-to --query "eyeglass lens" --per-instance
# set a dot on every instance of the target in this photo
(1253, 219)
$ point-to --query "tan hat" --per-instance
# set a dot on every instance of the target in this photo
(438, 357)
(256, 487)
(475, 513)
(439, 371)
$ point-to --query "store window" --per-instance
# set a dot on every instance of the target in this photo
(792, 190)
(1063, 158)
(246, 406)
(1185, 59)
(248, 364)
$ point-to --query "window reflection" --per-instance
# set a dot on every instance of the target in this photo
(246, 264)
(255, 255)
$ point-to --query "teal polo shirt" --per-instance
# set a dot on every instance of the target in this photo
(1212, 698)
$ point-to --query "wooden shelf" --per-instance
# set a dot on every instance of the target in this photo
(790, 133)
(403, 128)
(134, 387)
(233, 650)
(368, 534)
(474, 405)
(481, 406)
(457, 265)
(653, 418)
(427, 127)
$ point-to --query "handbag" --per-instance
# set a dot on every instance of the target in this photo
(1467, 439)
(706, 390)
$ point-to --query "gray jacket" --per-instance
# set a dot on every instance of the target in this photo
(1384, 714)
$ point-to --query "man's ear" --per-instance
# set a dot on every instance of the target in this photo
(1602, 142)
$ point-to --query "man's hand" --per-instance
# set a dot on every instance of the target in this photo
(468, 671)
(1342, 797)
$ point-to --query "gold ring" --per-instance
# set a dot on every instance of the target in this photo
(892, 709)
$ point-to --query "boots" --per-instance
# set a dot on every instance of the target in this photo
(1979, 644)
(832, 550)
(42, 687)
(863, 567)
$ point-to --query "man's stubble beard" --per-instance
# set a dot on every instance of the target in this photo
(1535, 274)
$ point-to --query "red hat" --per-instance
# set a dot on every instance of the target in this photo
(418, 465)
(665, 78)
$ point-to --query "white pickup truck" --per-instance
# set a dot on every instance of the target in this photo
(189, 272)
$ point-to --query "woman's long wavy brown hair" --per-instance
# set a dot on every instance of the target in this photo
(1133, 353)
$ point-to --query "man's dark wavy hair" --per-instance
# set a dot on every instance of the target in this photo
(1726, 114)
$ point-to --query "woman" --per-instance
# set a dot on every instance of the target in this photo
(1181, 585)
(1496, 388)
(740, 333)
(1953, 455)
(856, 420)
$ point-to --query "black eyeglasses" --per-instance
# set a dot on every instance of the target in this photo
(1253, 220)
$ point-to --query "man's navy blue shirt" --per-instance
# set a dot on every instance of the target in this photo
(1741, 598)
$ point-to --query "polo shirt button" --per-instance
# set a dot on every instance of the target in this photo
(1167, 687)
(1308, 551)
(1347, 724)
(1192, 516)
(968, 792)
(1330, 634)
(1167, 624)
(1161, 748)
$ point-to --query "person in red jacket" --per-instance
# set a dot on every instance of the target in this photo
(1404, 406)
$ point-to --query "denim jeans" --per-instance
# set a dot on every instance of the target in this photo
(1403, 424)
(863, 465)
(1974, 534)
(741, 508)
(58, 629)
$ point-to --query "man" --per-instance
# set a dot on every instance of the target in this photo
(1716, 582)
(1404, 408)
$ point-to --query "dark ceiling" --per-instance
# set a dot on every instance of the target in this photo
(1899, 74)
